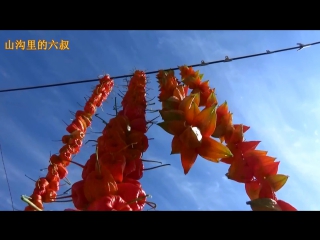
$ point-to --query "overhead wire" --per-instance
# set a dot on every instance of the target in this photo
(203, 63)
(6, 175)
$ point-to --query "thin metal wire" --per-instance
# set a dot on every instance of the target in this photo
(227, 59)
(5, 172)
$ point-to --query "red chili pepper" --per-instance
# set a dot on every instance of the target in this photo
(133, 195)
(89, 167)
(140, 138)
(78, 134)
(54, 183)
(52, 174)
(286, 206)
(95, 98)
(36, 197)
(98, 89)
(83, 123)
(102, 143)
(55, 159)
(138, 173)
(80, 124)
(58, 169)
(37, 200)
(266, 191)
(75, 144)
(66, 138)
(65, 148)
(66, 154)
(130, 167)
(139, 124)
(87, 120)
(90, 108)
(105, 79)
(97, 185)
(132, 181)
(121, 113)
(104, 96)
(39, 191)
(29, 209)
(109, 203)
(84, 117)
(62, 171)
(65, 158)
(49, 196)
(132, 154)
(114, 164)
(73, 127)
(81, 113)
(132, 111)
(78, 198)
(42, 183)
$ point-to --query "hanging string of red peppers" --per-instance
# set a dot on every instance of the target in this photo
(110, 177)
(46, 188)
(193, 128)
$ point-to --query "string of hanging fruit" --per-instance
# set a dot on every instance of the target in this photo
(190, 112)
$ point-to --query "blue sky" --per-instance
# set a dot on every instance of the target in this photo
(276, 95)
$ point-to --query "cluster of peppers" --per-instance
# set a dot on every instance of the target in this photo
(193, 128)
(46, 188)
(110, 178)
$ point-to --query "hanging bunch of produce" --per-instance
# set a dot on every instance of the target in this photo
(190, 112)
(46, 188)
(111, 175)
(193, 129)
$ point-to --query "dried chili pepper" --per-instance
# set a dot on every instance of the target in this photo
(139, 124)
(89, 167)
(109, 203)
(132, 181)
(137, 174)
(98, 185)
(54, 183)
(90, 108)
(133, 195)
(115, 164)
(46, 188)
(49, 196)
(78, 197)
(55, 159)
(130, 167)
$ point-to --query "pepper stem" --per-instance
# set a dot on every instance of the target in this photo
(97, 158)
(115, 105)
(70, 161)
(125, 147)
(151, 161)
(97, 115)
(136, 200)
(67, 181)
(69, 196)
(26, 200)
(90, 141)
(30, 178)
(152, 205)
(145, 169)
